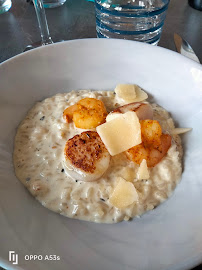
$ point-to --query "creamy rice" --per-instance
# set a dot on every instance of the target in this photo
(39, 164)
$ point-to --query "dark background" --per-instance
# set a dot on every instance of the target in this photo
(76, 19)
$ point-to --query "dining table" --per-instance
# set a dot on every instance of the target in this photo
(76, 20)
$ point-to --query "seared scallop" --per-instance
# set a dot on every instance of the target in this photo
(143, 110)
(86, 157)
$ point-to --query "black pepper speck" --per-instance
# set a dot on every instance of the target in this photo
(42, 118)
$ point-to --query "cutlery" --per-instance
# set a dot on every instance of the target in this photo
(184, 48)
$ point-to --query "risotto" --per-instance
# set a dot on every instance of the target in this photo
(40, 164)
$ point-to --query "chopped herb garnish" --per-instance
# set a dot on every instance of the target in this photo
(42, 118)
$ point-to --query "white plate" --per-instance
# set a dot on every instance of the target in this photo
(167, 238)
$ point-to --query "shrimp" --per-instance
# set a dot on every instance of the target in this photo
(87, 113)
(86, 157)
(69, 111)
(154, 144)
(151, 132)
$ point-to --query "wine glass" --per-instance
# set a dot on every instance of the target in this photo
(43, 26)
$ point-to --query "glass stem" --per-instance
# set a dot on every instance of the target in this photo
(43, 26)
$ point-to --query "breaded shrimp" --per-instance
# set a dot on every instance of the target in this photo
(86, 157)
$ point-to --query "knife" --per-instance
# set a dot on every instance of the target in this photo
(184, 48)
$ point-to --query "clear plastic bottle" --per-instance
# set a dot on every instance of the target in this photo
(140, 20)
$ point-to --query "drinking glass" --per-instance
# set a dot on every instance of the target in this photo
(5, 5)
(42, 21)
(43, 26)
(140, 20)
